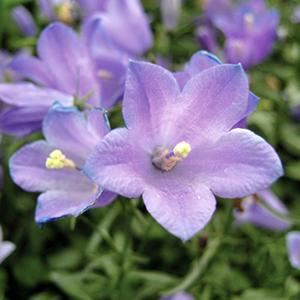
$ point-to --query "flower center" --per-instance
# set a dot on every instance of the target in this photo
(57, 160)
(66, 12)
(105, 74)
(166, 160)
(249, 19)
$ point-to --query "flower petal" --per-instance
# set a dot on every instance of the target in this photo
(240, 163)
(183, 210)
(27, 168)
(27, 94)
(114, 165)
(213, 102)
(149, 93)
(293, 245)
(69, 130)
(66, 57)
(6, 248)
(32, 68)
(56, 204)
(21, 121)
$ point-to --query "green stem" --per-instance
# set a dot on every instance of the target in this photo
(198, 268)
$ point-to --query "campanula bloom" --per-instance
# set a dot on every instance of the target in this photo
(114, 35)
(24, 20)
(63, 71)
(293, 246)
(170, 11)
(53, 166)
(295, 18)
(127, 26)
(263, 209)
(179, 296)
(6, 248)
(249, 29)
(201, 61)
(178, 150)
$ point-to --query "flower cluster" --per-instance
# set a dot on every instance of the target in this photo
(184, 140)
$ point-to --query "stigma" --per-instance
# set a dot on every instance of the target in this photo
(57, 160)
(166, 160)
(105, 74)
(65, 12)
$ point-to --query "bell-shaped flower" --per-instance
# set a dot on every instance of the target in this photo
(178, 296)
(54, 166)
(293, 247)
(249, 29)
(6, 248)
(24, 20)
(263, 209)
(63, 71)
(178, 150)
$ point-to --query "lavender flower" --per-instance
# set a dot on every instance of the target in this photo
(249, 29)
(6, 248)
(24, 20)
(179, 296)
(293, 246)
(53, 166)
(295, 18)
(127, 26)
(63, 71)
(179, 148)
(254, 209)
(170, 11)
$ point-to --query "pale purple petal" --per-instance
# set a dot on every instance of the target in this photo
(24, 20)
(72, 131)
(115, 164)
(33, 69)
(240, 163)
(256, 213)
(21, 121)
(212, 103)
(105, 199)
(170, 11)
(6, 248)
(178, 296)
(182, 209)
(90, 7)
(149, 94)
(28, 170)
(293, 246)
(27, 94)
(56, 204)
(62, 51)
(127, 25)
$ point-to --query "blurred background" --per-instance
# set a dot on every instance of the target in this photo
(119, 252)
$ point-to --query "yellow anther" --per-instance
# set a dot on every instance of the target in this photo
(249, 18)
(182, 149)
(65, 12)
(104, 74)
(57, 160)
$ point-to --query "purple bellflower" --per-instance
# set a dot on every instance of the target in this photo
(249, 29)
(295, 18)
(113, 36)
(6, 248)
(179, 148)
(293, 246)
(53, 166)
(127, 26)
(178, 296)
(63, 72)
(24, 20)
(263, 209)
(171, 12)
